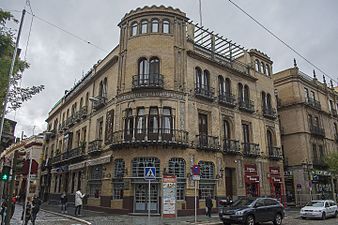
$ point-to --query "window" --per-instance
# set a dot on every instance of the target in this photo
(207, 183)
(267, 68)
(227, 86)
(84, 134)
(99, 128)
(257, 66)
(73, 182)
(240, 92)
(143, 70)
(177, 167)
(321, 152)
(268, 101)
(140, 121)
(77, 138)
(246, 94)
(313, 96)
(203, 129)
(264, 100)
(109, 127)
(95, 181)
(221, 85)
(118, 183)
(226, 129)
(166, 26)
(153, 122)
(246, 133)
(87, 99)
(119, 168)
(141, 162)
(104, 88)
(263, 67)
(167, 120)
(202, 80)
(154, 66)
(306, 93)
(144, 26)
(129, 123)
(269, 139)
(314, 151)
(154, 25)
(81, 103)
(134, 29)
(316, 121)
(198, 73)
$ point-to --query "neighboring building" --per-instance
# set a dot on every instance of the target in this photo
(7, 137)
(170, 95)
(32, 144)
(308, 118)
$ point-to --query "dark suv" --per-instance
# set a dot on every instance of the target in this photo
(249, 211)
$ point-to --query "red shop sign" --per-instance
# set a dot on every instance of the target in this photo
(277, 179)
(250, 169)
(251, 179)
(274, 171)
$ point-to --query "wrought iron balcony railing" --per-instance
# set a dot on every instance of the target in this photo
(313, 103)
(275, 153)
(204, 91)
(74, 153)
(148, 81)
(270, 113)
(154, 136)
(207, 142)
(99, 102)
(231, 147)
(95, 146)
(246, 105)
(56, 159)
(251, 149)
(317, 131)
(227, 99)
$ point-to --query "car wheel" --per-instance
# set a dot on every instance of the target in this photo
(323, 216)
(303, 218)
(278, 219)
(335, 214)
(250, 220)
(226, 223)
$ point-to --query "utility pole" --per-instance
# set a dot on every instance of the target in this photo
(9, 200)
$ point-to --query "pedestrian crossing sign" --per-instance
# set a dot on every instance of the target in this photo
(149, 173)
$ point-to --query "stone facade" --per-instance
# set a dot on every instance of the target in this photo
(308, 118)
(170, 95)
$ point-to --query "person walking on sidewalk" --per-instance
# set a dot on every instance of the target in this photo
(78, 202)
(208, 204)
(36, 208)
(64, 200)
(28, 215)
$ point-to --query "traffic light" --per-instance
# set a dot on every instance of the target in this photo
(20, 161)
(5, 173)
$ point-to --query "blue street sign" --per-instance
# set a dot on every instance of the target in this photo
(149, 173)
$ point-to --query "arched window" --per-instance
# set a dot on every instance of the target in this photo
(267, 68)
(263, 68)
(221, 85)
(154, 25)
(228, 86)
(100, 88)
(226, 129)
(166, 26)
(154, 67)
(87, 99)
(198, 73)
(257, 65)
(268, 101)
(129, 124)
(205, 80)
(133, 31)
(81, 102)
(264, 100)
(269, 139)
(140, 121)
(141, 162)
(143, 71)
(166, 120)
(240, 92)
(104, 88)
(153, 121)
(144, 26)
(177, 167)
(246, 94)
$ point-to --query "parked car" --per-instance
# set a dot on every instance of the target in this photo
(250, 211)
(319, 209)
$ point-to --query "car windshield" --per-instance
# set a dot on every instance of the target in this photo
(315, 204)
(243, 202)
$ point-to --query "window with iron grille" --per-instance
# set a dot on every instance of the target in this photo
(118, 190)
(177, 167)
(96, 172)
(119, 168)
(141, 162)
(207, 183)
(95, 189)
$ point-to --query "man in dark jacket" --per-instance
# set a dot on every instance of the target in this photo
(36, 208)
(208, 204)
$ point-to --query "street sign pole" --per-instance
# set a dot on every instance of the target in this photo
(195, 201)
(149, 200)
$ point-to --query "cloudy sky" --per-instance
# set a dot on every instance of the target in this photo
(58, 60)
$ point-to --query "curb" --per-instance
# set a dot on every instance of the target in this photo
(68, 216)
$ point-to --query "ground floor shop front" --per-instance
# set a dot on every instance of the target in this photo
(116, 183)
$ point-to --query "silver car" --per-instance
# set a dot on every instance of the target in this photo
(319, 209)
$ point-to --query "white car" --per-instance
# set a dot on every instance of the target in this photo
(319, 209)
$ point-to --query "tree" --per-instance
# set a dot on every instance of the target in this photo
(332, 162)
(16, 95)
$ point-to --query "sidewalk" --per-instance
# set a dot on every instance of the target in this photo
(101, 218)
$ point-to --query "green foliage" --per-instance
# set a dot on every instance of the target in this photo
(332, 162)
(17, 94)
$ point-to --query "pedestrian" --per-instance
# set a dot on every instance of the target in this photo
(28, 211)
(3, 211)
(35, 209)
(14, 199)
(78, 202)
(208, 204)
(63, 199)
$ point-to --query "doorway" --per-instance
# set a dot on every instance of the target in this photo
(228, 172)
(141, 202)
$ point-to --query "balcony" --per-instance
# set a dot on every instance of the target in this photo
(317, 131)
(231, 147)
(275, 153)
(152, 81)
(226, 99)
(204, 92)
(70, 121)
(270, 113)
(150, 137)
(74, 153)
(334, 112)
(82, 113)
(251, 149)
(246, 105)
(98, 102)
(56, 159)
(206, 142)
(94, 147)
(313, 103)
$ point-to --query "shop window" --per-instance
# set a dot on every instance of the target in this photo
(207, 183)
(154, 25)
(134, 26)
(166, 26)
(141, 162)
(177, 167)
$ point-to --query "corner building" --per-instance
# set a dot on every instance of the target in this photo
(170, 95)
